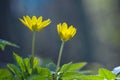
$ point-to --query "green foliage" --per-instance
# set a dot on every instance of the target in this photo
(103, 74)
(41, 74)
(5, 75)
(4, 43)
(106, 74)
(24, 71)
(72, 67)
(72, 75)
(92, 77)
(65, 67)
(71, 71)
(15, 70)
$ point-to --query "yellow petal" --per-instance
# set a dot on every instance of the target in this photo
(28, 20)
(44, 24)
(59, 27)
(34, 20)
(66, 32)
(39, 20)
(23, 21)
(34, 23)
(64, 26)
(73, 32)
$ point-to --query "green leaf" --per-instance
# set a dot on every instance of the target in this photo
(86, 72)
(4, 43)
(77, 66)
(14, 69)
(106, 74)
(72, 67)
(65, 67)
(44, 72)
(36, 62)
(2, 47)
(37, 77)
(5, 75)
(20, 62)
(26, 61)
(92, 77)
(27, 65)
(71, 75)
(68, 74)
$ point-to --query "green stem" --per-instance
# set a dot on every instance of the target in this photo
(59, 57)
(33, 49)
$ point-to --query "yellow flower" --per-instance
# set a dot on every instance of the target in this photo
(65, 32)
(34, 23)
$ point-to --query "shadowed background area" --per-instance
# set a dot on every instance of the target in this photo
(98, 30)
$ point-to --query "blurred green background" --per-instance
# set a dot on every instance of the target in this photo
(98, 30)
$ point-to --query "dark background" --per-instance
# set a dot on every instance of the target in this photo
(98, 30)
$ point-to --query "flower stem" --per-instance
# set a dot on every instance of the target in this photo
(59, 57)
(33, 49)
